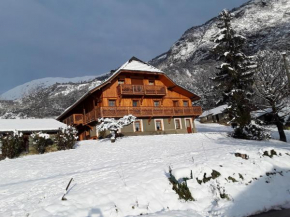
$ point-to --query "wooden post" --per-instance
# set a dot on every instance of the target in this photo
(286, 67)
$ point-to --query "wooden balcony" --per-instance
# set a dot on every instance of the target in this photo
(139, 112)
(74, 119)
(141, 90)
(118, 112)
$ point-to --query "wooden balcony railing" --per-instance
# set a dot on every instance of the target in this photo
(149, 90)
(74, 119)
(150, 111)
(118, 112)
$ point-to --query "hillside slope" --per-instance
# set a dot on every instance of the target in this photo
(265, 23)
(27, 88)
(109, 180)
(45, 98)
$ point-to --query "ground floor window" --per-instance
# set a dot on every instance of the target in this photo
(138, 126)
(177, 122)
(159, 125)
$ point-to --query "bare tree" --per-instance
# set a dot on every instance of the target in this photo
(271, 86)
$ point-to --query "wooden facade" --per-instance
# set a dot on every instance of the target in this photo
(142, 93)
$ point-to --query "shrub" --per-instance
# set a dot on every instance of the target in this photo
(215, 174)
(12, 144)
(180, 188)
(41, 141)
(66, 138)
(251, 132)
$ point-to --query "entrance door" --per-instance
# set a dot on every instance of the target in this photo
(188, 126)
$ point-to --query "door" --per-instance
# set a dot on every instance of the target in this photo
(188, 125)
(137, 81)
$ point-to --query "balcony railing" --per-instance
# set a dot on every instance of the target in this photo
(149, 90)
(118, 112)
(74, 119)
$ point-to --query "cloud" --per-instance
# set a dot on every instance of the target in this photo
(40, 38)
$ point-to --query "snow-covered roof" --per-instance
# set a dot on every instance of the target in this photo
(283, 113)
(30, 125)
(136, 65)
(214, 111)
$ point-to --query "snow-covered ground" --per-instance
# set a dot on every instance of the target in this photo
(129, 177)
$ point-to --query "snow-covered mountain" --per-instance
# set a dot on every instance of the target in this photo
(265, 23)
(29, 87)
(45, 98)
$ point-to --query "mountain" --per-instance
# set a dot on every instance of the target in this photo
(45, 98)
(265, 24)
(27, 88)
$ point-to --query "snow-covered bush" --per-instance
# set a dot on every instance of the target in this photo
(180, 187)
(41, 141)
(66, 138)
(114, 125)
(252, 132)
(12, 144)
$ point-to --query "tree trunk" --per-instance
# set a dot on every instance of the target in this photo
(279, 125)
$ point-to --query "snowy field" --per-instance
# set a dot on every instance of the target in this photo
(130, 177)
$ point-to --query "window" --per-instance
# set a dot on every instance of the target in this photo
(158, 125)
(185, 103)
(156, 103)
(177, 124)
(137, 126)
(175, 103)
(151, 82)
(121, 81)
(112, 103)
(135, 103)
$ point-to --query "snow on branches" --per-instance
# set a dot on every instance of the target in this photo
(235, 76)
(114, 125)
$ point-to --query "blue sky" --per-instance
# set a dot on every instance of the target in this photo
(70, 38)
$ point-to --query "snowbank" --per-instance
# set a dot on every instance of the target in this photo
(130, 177)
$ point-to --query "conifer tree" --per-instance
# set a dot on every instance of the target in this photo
(235, 74)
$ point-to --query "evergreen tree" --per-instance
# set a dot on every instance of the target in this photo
(235, 75)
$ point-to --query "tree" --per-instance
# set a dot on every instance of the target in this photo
(114, 125)
(235, 75)
(271, 86)
(204, 87)
(66, 138)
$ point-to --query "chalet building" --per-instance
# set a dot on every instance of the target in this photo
(137, 88)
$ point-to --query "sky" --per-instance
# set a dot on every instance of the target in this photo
(72, 38)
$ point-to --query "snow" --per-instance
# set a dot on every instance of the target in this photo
(129, 177)
(139, 66)
(10, 125)
(26, 88)
(214, 111)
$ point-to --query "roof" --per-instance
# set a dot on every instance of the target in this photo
(214, 111)
(30, 125)
(134, 64)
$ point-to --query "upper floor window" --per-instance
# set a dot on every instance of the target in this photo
(135, 103)
(121, 81)
(156, 103)
(175, 103)
(112, 102)
(151, 82)
(185, 103)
